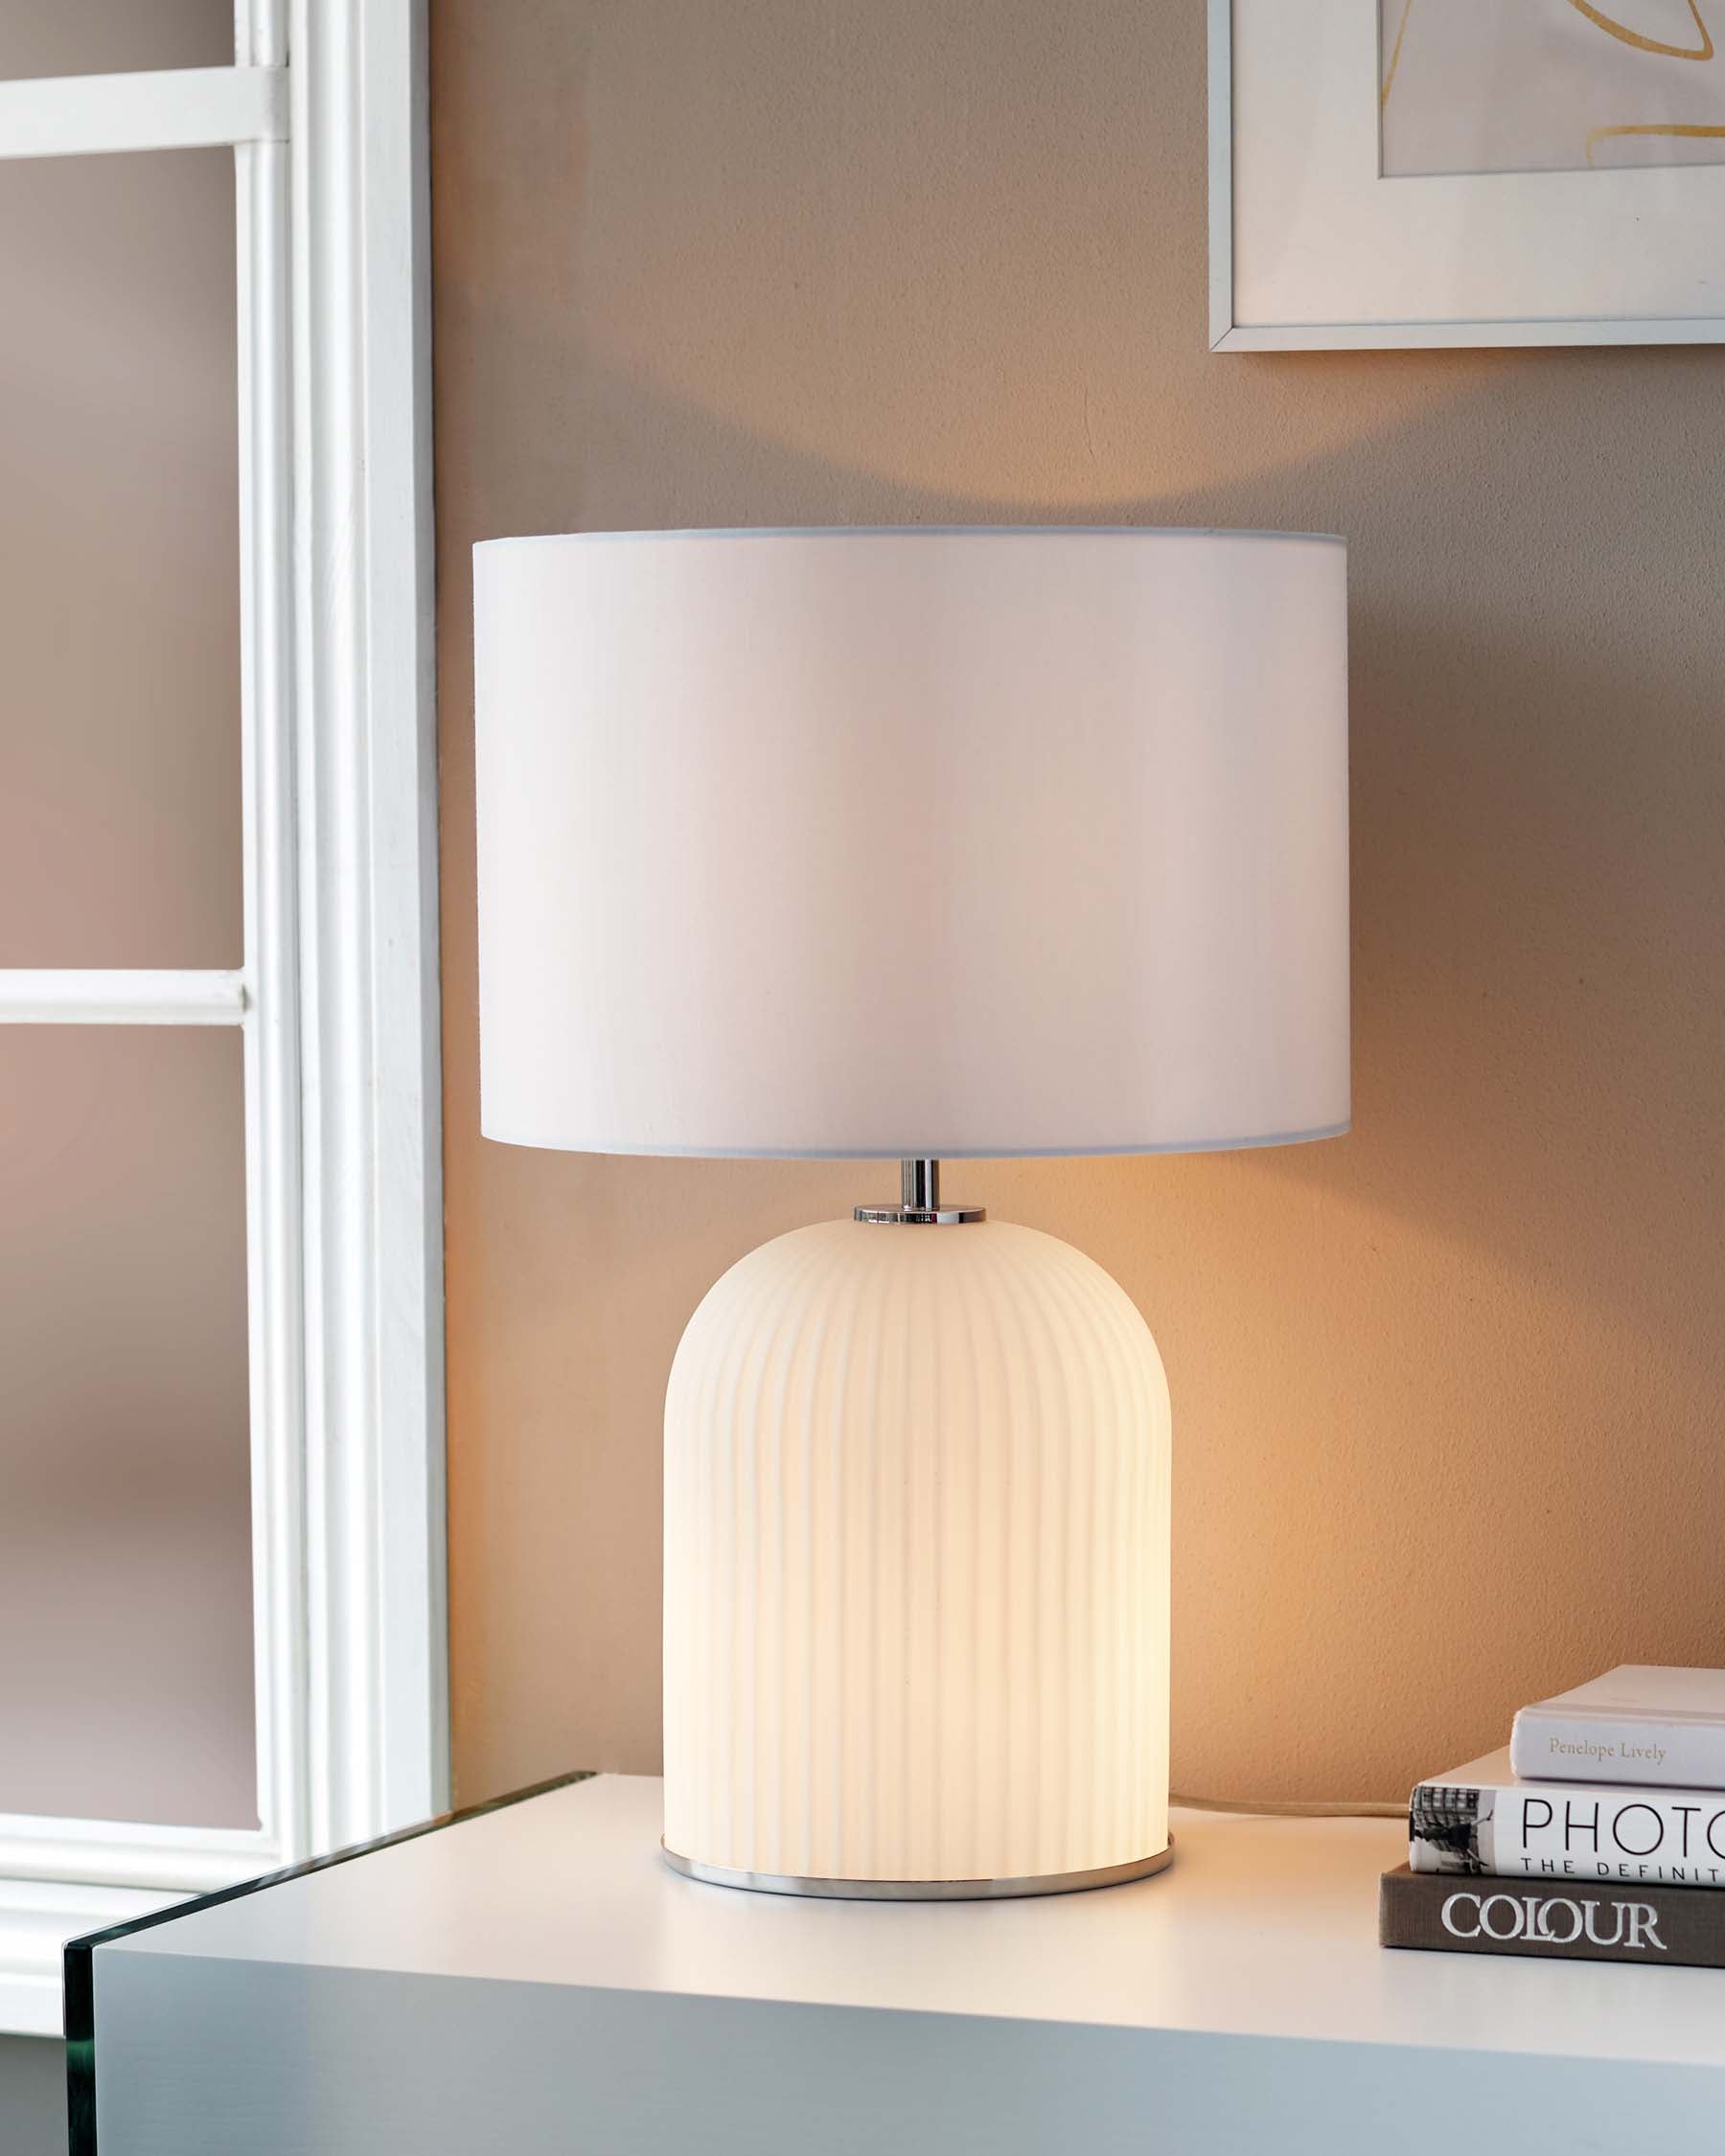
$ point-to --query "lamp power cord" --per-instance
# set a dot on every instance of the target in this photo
(1270, 1808)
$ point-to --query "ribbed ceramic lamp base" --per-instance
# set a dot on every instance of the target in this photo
(917, 1570)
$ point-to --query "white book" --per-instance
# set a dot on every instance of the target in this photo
(1485, 1818)
(1664, 1728)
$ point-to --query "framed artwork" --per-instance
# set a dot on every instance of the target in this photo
(1392, 172)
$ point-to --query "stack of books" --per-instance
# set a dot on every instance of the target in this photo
(1597, 1834)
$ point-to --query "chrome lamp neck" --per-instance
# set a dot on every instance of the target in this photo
(919, 1203)
(919, 1186)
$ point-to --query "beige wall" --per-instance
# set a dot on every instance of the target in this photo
(1447, 1392)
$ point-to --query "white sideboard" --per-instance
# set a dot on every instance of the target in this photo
(535, 1979)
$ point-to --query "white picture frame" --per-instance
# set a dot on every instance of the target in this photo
(1312, 249)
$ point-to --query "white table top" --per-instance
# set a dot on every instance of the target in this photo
(1262, 1928)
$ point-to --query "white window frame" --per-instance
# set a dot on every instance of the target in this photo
(336, 1001)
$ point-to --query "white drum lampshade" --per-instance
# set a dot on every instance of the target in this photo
(910, 844)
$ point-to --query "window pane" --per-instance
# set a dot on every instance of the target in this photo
(110, 36)
(126, 1635)
(119, 563)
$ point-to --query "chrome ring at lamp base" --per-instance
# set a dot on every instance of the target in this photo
(913, 1216)
(921, 1889)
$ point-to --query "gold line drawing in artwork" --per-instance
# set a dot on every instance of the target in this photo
(1649, 127)
(1468, 105)
(1702, 52)
(1401, 30)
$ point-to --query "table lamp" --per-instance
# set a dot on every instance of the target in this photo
(910, 845)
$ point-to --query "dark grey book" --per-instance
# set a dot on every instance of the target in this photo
(1561, 1919)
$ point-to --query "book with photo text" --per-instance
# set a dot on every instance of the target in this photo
(1483, 1818)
